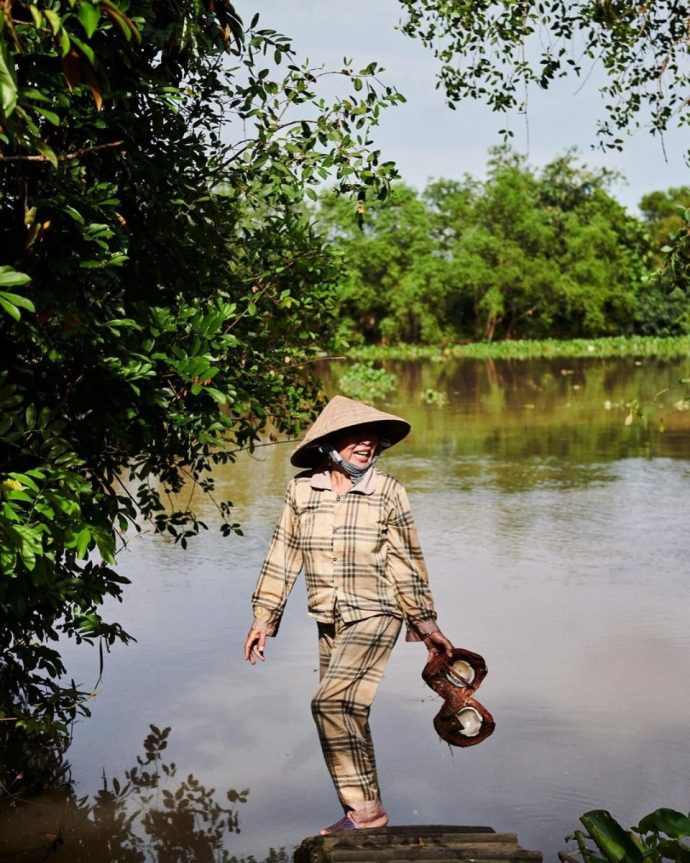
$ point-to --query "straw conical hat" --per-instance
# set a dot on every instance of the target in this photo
(343, 413)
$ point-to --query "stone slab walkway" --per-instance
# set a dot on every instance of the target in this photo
(433, 842)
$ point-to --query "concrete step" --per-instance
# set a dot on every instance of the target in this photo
(416, 843)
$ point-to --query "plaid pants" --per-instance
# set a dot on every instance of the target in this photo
(352, 658)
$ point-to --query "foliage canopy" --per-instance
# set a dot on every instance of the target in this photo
(523, 255)
(492, 50)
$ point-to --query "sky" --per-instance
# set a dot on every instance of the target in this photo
(427, 140)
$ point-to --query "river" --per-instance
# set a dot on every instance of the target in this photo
(557, 539)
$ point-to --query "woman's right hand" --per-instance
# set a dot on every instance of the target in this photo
(254, 646)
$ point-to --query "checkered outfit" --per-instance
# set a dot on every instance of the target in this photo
(352, 660)
(364, 572)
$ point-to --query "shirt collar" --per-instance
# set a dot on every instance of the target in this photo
(367, 485)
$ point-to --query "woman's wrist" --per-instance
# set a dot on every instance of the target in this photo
(264, 626)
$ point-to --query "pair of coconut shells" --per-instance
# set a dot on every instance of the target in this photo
(462, 720)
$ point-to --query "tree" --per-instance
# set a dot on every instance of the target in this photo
(665, 298)
(162, 290)
(522, 255)
(394, 284)
(663, 213)
(494, 51)
(491, 51)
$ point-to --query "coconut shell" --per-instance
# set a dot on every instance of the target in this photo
(462, 720)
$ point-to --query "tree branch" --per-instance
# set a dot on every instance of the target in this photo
(76, 154)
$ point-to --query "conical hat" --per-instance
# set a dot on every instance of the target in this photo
(343, 413)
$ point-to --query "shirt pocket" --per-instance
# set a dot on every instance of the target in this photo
(315, 522)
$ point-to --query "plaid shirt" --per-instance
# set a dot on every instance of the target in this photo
(359, 549)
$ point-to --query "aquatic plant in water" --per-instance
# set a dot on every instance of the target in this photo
(661, 835)
(437, 398)
(612, 346)
(365, 382)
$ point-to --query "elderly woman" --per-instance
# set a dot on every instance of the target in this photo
(349, 526)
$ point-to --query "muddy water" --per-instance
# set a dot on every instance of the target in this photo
(558, 543)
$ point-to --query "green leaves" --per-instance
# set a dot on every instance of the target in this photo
(127, 26)
(11, 278)
(365, 382)
(8, 79)
(659, 836)
(523, 254)
(674, 824)
(27, 540)
(12, 303)
(89, 15)
(492, 52)
(617, 845)
(35, 103)
(9, 301)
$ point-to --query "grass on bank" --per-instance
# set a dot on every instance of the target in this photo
(618, 346)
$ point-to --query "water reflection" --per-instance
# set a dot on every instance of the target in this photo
(149, 814)
(557, 542)
(571, 409)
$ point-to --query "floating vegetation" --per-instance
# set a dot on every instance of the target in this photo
(617, 346)
(437, 398)
(365, 382)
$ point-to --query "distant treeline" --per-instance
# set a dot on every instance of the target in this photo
(523, 255)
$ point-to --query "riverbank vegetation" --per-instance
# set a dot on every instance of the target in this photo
(526, 254)
(527, 349)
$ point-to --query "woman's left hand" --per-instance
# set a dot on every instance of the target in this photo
(437, 643)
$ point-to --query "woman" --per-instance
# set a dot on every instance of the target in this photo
(349, 526)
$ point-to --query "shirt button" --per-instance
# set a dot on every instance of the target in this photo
(335, 558)
(337, 497)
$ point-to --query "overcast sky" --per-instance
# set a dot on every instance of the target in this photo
(428, 140)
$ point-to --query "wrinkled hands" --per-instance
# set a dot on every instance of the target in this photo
(254, 646)
(436, 644)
